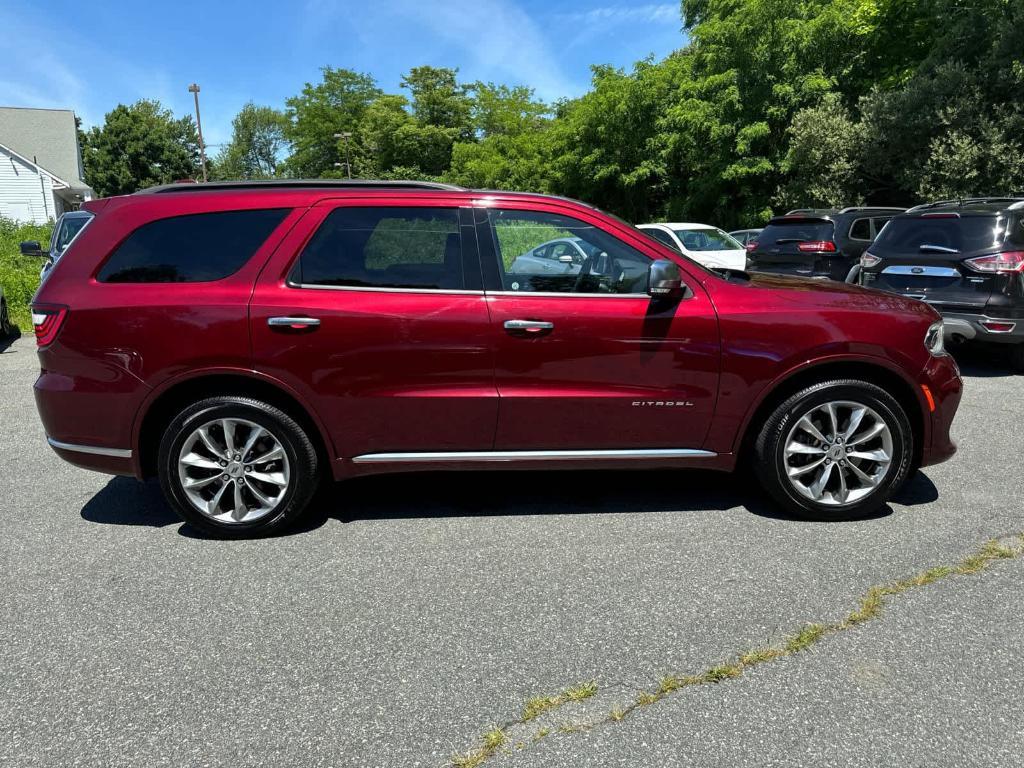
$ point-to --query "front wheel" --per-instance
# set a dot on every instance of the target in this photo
(837, 450)
(236, 467)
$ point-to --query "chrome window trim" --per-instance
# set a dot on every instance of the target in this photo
(503, 456)
(921, 271)
(117, 453)
(849, 232)
(373, 289)
(571, 295)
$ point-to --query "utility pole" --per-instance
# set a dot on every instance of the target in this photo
(194, 90)
(346, 135)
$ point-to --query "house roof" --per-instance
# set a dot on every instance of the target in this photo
(47, 137)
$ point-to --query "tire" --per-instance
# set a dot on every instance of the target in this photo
(855, 486)
(5, 320)
(1017, 357)
(273, 493)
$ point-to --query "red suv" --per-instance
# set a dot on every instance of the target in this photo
(243, 341)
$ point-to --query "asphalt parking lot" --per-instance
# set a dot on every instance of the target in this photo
(413, 614)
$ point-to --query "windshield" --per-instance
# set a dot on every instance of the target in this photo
(707, 240)
(969, 233)
(69, 227)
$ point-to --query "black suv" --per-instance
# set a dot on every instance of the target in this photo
(816, 242)
(966, 259)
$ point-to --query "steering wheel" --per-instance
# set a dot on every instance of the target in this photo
(588, 263)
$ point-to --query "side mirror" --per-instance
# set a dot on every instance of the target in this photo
(664, 280)
(566, 258)
(32, 248)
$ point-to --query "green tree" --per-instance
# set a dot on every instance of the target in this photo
(138, 146)
(334, 105)
(438, 99)
(500, 110)
(257, 144)
(823, 160)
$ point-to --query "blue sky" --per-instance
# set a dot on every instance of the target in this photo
(91, 56)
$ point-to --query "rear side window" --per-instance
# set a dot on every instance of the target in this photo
(198, 248)
(860, 229)
(385, 248)
(795, 232)
(969, 233)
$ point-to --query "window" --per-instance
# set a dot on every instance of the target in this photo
(69, 229)
(877, 225)
(602, 263)
(707, 240)
(662, 237)
(190, 249)
(385, 248)
(790, 233)
(969, 233)
(860, 229)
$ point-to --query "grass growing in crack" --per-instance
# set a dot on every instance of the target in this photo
(538, 705)
(871, 605)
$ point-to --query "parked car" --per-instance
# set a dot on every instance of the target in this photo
(243, 341)
(966, 259)
(65, 230)
(817, 242)
(704, 244)
(746, 236)
(556, 262)
(5, 317)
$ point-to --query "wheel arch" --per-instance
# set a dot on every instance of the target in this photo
(169, 400)
(873, 372)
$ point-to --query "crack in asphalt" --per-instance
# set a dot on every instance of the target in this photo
(538, 720)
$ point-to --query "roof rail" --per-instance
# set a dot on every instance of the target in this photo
(850, 208)
(220, 186)
(966, 201)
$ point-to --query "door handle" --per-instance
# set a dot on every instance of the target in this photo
(529, 326)
(293, 322)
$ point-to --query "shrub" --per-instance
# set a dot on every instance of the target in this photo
(19, 275)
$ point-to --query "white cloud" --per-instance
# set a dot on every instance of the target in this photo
(610, 15)
(488, 39)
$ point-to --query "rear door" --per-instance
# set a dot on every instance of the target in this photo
(375, 314)
(795, 245)
(922, 257)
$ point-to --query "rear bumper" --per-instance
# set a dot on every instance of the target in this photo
(972, 327)
(110, 461)
(942, 379)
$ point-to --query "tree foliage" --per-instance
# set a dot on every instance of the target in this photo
(138, 146)
(767, 104)
(257, 144)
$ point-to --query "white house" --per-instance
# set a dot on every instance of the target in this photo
(40, 164)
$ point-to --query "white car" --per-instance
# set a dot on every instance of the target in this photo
(703, 243)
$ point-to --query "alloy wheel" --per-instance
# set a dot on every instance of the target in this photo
(233, 470)
(838, 452)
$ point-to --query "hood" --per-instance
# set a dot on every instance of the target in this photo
(807, 291)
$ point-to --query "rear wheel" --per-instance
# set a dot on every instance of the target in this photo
(837, 450)
(237, 467)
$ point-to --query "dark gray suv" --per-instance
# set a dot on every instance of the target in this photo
(816, 242)
(966, 259)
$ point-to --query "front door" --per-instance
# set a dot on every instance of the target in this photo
(587, 360)
(381, 323)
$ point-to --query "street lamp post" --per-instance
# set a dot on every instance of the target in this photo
(194, 90)
(346, 135)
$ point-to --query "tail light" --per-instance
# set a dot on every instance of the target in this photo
(868, 260)
(817, 246)
(47, 320)
(996, 326)
(1010, 261)
(752, 245)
